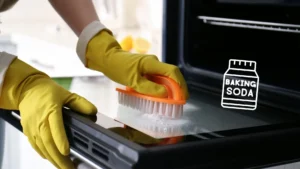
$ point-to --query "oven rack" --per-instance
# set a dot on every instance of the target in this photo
(239, 23)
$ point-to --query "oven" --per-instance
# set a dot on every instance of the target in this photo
(205, 37)
(206, 34)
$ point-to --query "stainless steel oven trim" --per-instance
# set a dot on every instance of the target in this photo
(271, 26)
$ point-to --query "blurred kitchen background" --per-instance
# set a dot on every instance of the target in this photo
(34, 32)
(37, 19)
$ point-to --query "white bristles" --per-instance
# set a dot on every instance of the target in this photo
(151, 107)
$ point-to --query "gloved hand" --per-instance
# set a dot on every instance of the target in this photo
(104, 54)
(40, 100)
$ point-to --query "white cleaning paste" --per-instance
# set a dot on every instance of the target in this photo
(161, 120)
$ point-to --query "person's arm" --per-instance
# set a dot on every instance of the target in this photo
(76, 13)
(7, 4)
(99, 50)
(82, 18)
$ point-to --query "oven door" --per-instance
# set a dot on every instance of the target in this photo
(210, 33)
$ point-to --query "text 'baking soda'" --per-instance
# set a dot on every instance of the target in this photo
(240, 85)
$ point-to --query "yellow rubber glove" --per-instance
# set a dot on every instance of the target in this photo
(40, 100)
(104, 54)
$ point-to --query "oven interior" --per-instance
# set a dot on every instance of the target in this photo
(269, 33)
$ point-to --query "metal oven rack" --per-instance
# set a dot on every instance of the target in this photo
(239, 23)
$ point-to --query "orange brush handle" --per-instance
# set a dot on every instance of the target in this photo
(175, 95)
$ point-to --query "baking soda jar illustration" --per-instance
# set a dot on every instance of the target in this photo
(240, 85)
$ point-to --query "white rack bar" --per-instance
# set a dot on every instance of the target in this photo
(280, 27)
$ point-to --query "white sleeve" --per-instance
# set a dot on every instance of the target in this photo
(5, 61)
(86, 35)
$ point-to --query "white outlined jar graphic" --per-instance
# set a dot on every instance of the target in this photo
(240, 85)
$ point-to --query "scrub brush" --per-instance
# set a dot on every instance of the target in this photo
(170, 106)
